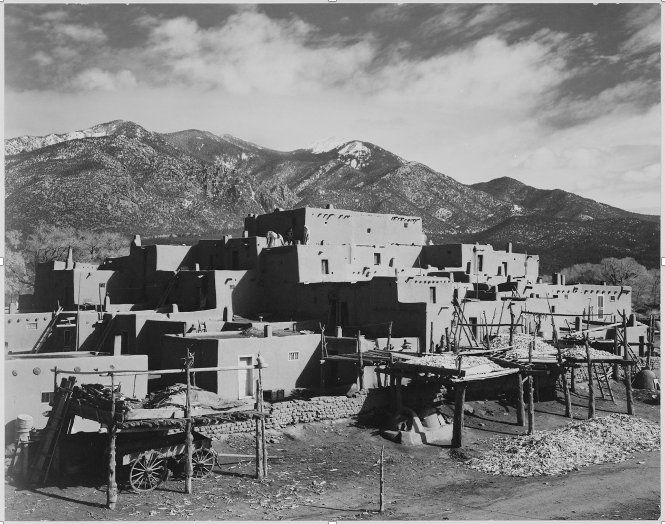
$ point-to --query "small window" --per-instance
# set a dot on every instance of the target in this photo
(498, 271)
(369, 229)
(324, 267)
(377, 259)
(612, 298)
(480, 263)
(406, 224)
(31, 325)
(68, 337)
(566, 297)
(47, 397)
(294, 355)
(432, 295)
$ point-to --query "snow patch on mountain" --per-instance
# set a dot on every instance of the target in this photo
(327, 144)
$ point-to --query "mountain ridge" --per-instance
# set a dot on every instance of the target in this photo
(118, 175)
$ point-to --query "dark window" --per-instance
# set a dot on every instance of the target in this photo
(498, 271)
(474, 326)
(324, 267)
(377, 259)
(47, 397)
(480, 263)
(68, 337)
(124, 342)
(406, 224)
(505, 268)
(369, 229)
(468, 267)
(432, 295)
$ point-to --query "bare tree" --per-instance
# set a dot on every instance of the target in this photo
(621, 271)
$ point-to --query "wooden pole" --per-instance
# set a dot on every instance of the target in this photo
(615, 367)
(112, 486)
(447, 340)
(398, 392)
(564, 379)
(390, 331)
(520, 399)
(382, 500)
(625, 336)
(264, 445)
(629, 389)
(592, 398)
(512, 324)
(530, 388)
(258, 439)
(361, 367)
(189, 439)
(572, 379)
(458, 420)
(641, 346)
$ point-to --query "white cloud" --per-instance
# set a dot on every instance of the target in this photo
(644, 22)
(42, 58)
(99, 79)
(80, 33)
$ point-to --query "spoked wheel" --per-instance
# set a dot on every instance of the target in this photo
(203, 460)
(148, 471)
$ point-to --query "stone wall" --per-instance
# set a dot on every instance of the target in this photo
(289, 412)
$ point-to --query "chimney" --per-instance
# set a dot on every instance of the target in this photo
(70, 259)
(338, 331)
(509, 247)
(245, 234)
(563, 279)
(330, 206)
(267, 331)
(137, 241)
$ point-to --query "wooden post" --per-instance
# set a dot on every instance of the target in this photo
(322, 368)
(390, 331)
(578, 324)
(564, 380)
(382, 500)
(624, 326)
(458, 420)
(512, 324)
(629, 389)
(112, 486)
(258, 439)
(447, 340)
(398, 392)
(641, 346)
(520, 399)
(361, 367)
(262, 425)
(592, 398)
(431, 337)
(530, 388)
(615, 367)
(189, 439)
(572, 379)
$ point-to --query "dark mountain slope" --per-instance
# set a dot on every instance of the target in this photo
(554, 202)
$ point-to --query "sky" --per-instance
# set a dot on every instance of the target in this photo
(554, 95)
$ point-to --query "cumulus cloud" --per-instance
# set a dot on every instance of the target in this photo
(99, 79)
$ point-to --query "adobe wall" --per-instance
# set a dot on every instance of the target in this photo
(281, 373)
(22, 330)
(26, 378)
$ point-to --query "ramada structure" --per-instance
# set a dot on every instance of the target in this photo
(369, 280)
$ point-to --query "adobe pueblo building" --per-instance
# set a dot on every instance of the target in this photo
(371, 281)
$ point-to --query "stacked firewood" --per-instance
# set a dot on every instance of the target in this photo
(521, 344)
(579, 353)
(100, 397)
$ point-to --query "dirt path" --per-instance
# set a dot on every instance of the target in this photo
(328, 471)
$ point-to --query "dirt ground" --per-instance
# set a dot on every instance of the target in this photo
(329, 472)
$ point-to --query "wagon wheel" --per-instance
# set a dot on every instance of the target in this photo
(148, 471)
(203, 460)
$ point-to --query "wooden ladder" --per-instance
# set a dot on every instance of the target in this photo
(603, 383)
(168, 288)
(641, 362)
(47, 332)
(105, 333)
(58, 418)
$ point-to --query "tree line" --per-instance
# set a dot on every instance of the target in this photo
(645, 283)
(47, 242)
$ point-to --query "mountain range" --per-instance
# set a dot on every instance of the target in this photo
(120, 176)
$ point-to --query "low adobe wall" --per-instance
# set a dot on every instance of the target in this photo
(289, 412)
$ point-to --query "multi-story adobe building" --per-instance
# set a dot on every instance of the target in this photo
(361, 271)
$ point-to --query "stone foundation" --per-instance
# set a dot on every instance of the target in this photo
(290, 412)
